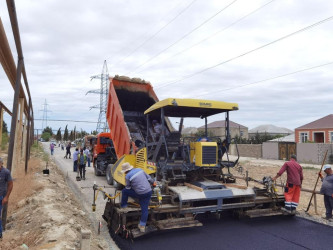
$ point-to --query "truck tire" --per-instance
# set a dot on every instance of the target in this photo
(97, 173)
(117, 185)
(109, 178)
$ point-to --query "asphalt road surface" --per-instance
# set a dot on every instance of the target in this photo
(227, 233)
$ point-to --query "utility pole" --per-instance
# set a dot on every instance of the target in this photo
(102, 125)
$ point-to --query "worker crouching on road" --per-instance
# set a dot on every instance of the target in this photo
(327, 190)
(137, 186)
(292, 190)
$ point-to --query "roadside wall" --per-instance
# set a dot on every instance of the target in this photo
(313, 152)
(247, 150)
(270, 150)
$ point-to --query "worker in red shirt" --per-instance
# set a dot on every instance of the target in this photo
(292, 190)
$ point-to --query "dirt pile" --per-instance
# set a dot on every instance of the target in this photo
(43, 213)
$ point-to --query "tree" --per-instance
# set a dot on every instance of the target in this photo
(58, 136)
(71, 136)
(94, 132)
(74, 133)
(48, 130)
(66, 134)
(46, 136)
(4, 127)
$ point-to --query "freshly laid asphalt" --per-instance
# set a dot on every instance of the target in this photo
(229, 233)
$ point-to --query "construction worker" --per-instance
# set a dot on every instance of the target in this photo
(87, 153)
(327, 190)
(292, 190)
(75, 155)
(6, 187)
(137, 186)
(82, 160)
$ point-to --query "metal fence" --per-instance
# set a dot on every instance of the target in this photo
(22, 122)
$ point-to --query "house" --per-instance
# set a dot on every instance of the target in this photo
(189, 131)
(217, 128)
(269, 129)
(319, 131)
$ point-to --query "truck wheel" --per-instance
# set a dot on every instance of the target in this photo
(117, 185)
(109, 178)
(97, 173)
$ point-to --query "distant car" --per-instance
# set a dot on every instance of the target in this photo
(41, 140)
(73, 144)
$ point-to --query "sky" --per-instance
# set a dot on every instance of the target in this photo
(273, 58)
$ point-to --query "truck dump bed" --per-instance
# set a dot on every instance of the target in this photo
(128, 99)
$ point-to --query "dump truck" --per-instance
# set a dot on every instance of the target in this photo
(193, 174)
(103, 154)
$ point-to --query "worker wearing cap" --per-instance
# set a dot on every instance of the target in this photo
(292, 190)
(137, 186)
(6, 187)
(327, 190)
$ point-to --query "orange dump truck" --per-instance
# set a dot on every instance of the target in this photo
(127, 101)
(103, 153)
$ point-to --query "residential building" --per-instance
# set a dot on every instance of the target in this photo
(269, 129)
(319, 131)
(217, 128)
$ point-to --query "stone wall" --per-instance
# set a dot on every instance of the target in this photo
(313, 152)
(270, 150)
(247, 150)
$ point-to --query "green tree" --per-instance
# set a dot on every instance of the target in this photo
(46, 136)
(71, 136)
(74, 133)
(58, 136)
(94, 132)
(66, 134)
(48, 129)
(4, 127)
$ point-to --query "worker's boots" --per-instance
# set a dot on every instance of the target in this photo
(293, 210)
(142, 228)
(286, 210)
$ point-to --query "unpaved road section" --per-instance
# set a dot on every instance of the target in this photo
(44, 213)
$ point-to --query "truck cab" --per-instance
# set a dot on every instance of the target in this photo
(103, 153)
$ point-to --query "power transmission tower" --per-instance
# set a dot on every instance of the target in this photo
(102, 125)
(45, 117)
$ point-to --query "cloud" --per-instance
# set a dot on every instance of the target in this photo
(66, 42)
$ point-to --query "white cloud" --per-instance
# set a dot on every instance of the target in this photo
(66, 42)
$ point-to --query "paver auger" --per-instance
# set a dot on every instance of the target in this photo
(193, 175)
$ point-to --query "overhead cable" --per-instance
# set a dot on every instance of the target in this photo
(268, 79)
(212, 35)
(157, 32)
(246, 53)
(184, 36)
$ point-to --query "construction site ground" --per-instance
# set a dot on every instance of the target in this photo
(50, 211)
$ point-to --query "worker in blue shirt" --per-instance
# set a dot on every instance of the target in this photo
(137, 186)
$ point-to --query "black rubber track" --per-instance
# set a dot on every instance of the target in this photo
(229, 233)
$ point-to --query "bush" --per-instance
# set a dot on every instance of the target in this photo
(4, 141)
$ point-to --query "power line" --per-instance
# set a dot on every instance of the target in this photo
(53, 120)
(268, 79)
(212, 35)
(139, 38)
(246, 53)
(186, 35)
(157, 32)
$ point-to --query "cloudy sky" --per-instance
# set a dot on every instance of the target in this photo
(273, 58)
